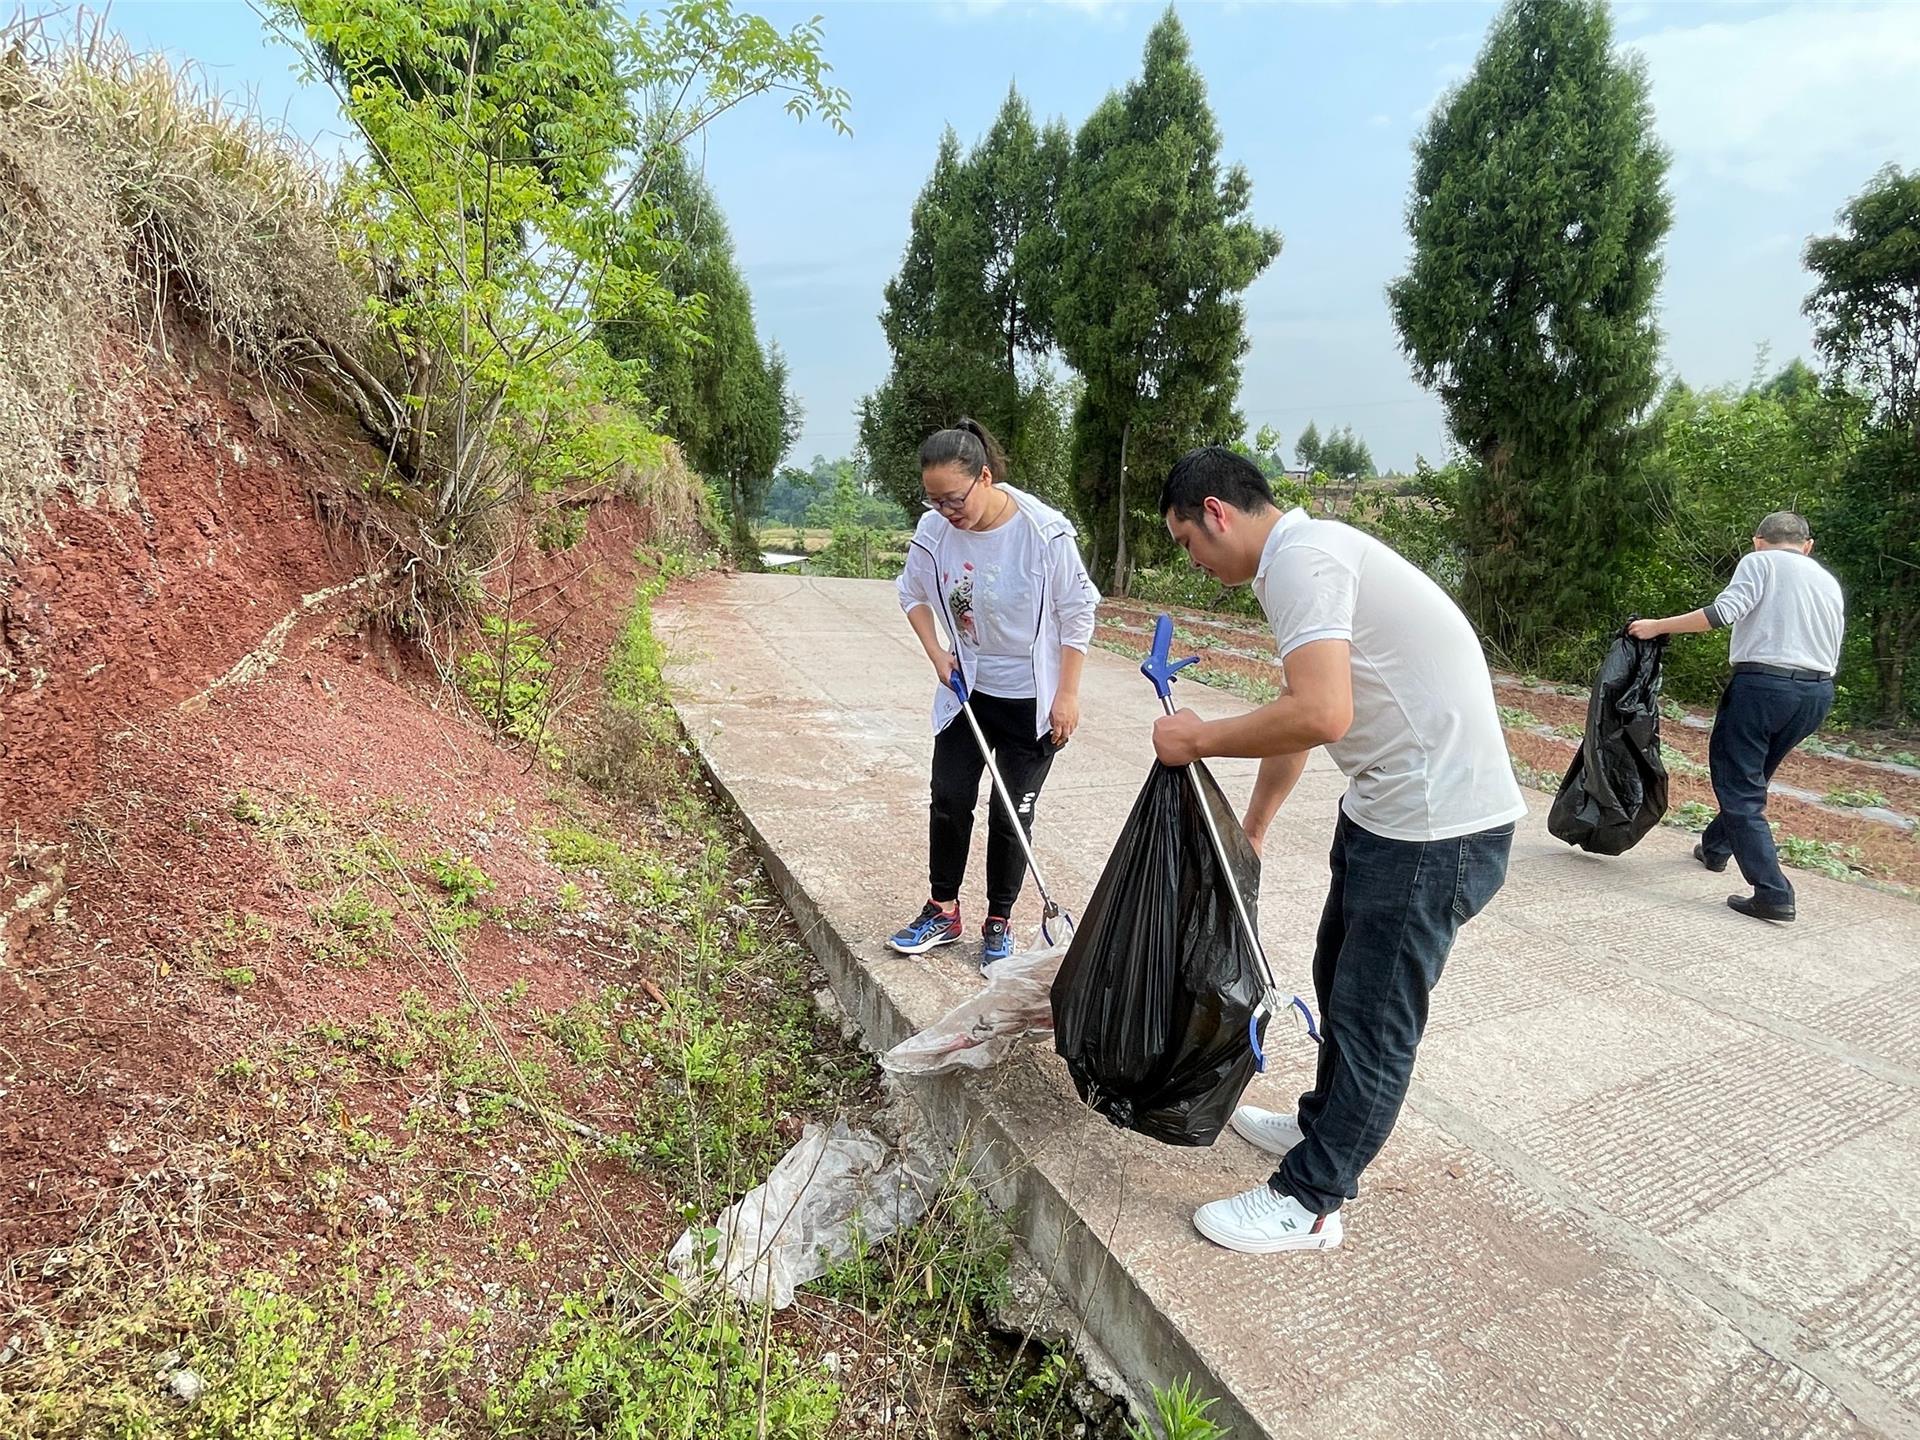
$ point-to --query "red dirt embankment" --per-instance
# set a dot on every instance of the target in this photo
(203, 734)
(113, 615)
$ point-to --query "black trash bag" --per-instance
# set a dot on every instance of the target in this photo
(1152, 1005)
(1616, 789)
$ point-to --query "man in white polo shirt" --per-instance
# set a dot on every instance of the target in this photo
(1787, 616)
(1383, 670)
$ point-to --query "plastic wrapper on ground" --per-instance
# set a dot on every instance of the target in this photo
(835, 1185)
(980, 1031)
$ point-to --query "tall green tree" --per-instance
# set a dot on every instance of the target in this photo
(1264, 450)
(1538, 210)
(1309, 447)
(1157, 246)
(996, 274)
(938, 373)
(512, 147)
(1866, 312)
(563, 131)
(718, 392)
(1794, 381)
(967, 317)
(1343, 455)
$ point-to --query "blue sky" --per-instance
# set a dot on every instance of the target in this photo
(1775, 114)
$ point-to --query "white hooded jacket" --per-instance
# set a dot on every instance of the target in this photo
(1066, 600)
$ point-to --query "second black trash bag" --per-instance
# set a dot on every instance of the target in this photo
(1616, 789)
(1153, 1002)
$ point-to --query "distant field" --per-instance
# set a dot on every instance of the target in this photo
(811, 541)
(794, 541)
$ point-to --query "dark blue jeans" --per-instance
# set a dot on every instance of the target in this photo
(1761, 719)
(1392, 912)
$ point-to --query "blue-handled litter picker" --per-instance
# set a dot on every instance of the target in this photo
(1051, 913)
(1162, 670)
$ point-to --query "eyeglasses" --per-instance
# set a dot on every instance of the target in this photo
(950, 505)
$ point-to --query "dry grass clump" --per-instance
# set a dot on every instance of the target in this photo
(129, 190)
(679, 509)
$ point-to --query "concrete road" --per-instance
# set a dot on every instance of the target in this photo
(1658, 1174)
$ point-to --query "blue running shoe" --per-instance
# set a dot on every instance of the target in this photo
(934, 927)
(996, 937)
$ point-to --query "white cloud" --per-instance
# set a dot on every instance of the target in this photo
(1772, 99)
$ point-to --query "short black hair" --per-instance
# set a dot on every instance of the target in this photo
(1215, 472)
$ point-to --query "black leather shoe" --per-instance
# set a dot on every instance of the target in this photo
(1759, 909)
(1700, 854)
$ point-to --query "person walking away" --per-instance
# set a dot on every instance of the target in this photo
(1003, 573)
(1787, 615)
(1382, 669)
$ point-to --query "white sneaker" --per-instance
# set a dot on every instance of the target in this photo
(1262, 1220)
(1266, 1129)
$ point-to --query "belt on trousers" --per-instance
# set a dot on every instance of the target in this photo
(1783, 672)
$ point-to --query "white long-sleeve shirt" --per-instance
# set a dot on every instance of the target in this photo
(1053, 602)
(1785, 609)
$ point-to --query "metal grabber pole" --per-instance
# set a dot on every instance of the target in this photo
(1162, 670)
(1050, 911)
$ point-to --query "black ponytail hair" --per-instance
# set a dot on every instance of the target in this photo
(967, 443)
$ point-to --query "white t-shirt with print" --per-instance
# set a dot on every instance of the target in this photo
(991, 589)
(1425, 757)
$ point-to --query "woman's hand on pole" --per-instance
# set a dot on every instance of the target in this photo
(943, 666)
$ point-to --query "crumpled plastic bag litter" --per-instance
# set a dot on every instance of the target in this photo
(801, 1222)
(980, 1031)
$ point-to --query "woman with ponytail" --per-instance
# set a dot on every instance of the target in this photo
(1002, 574)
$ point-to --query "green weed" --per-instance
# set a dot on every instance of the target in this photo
(545, 1185)
(229, 936)
(582, 1032)
(1252, 688)
(349, 928)
(1690, 815)
(461, 878)
(1179, 1413)
(1534, 779)
(635, 752)
(1858, 799)
(600, 1371)
(710, 1114)
(1678, 763)
(561, 527)
(1823, 857)
(505, 679)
